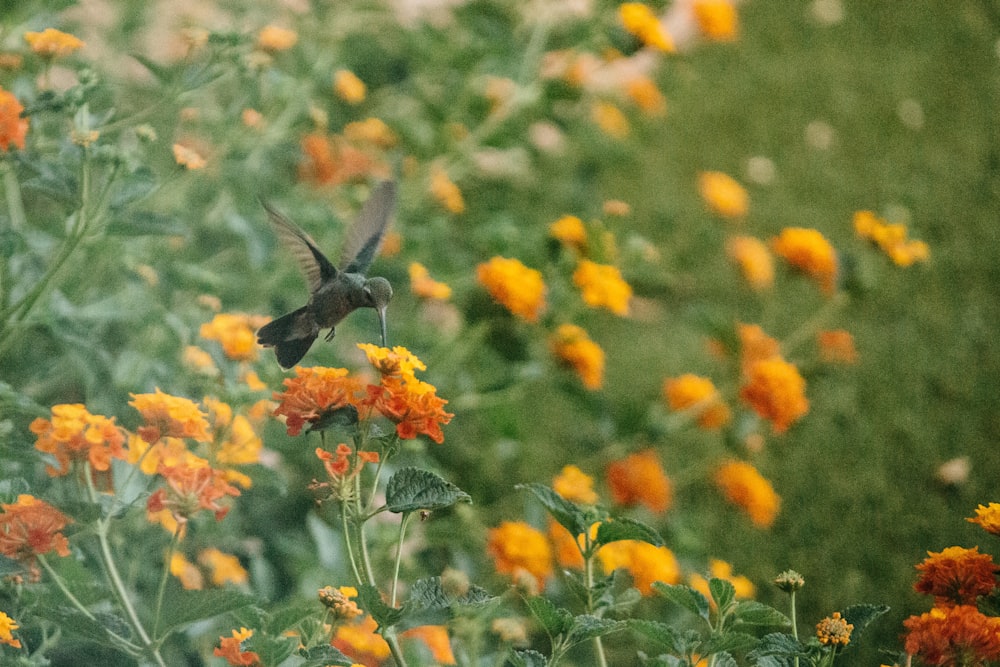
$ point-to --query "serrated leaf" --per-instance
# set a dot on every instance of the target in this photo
(181, 607)
(320, 656)
(751, 612)
(428, 594)
(272, 650)
(685, 596)
(566, 513)
(289, 616)
(528, 658)
(587, 626)
(723, 592)
(778, 645)
(860, 616)
(730, 642)
(412, 489)
(627, 529)
(371, 601)
(661, 633)
(723, 659)
(554, 620)
(98, 627)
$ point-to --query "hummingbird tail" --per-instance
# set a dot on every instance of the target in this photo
(290, 352)
(290, 335)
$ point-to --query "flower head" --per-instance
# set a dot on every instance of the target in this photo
(573, 347)
(13, 128)
(776, 391)
(435, 638)
(890, 238)
(610, 119)
(723, 195)
(231, 648)
(789, 581)
(223, 568)
(272, 39)
(640, 20)
(445, 192)
(520, 550)
(834, 631)
(746, 488)
(753, 259)
(425, 287)
(696, 393)
(191, 486)
(575, 485)
(988, 517)
(837, 346)
(169, 416)
(602, 285)
(187, 573)
(52, 43)
(73, 434)
(717, 19)
(639, 479)
(7, 627)
(30, 528)
(188, 157)
(808, 251)
(957, 575)
(348, 86)
(643, 91)
(646, 563)
(235, 332)
(755, 345)
(340, 601)
(569, 231)
(720, 569)
(953, 636)
(516, 287)
(361, 642)
(313, 394)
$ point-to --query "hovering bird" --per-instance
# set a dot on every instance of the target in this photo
(335, 293)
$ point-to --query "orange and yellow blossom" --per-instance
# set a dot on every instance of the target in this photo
(272, 39)
(753, 259)
(314, 393)
(573, 347)
(513, 285)
(169, 416)
(223, 568)
(640, 20)
(988, 517)
(444, 190)
(7, 627)
(953, 635)
(610, 119)
(834, 630)
(646, 96)
(425, 287)
(52, 43)
(808, 251)
(236, 333)
(575, 485)
(645, 562)
(639, 479)
(602, 286)
(519, 549)
(956, 576)
(13, 128)
(73, 434)
(717, 19)
(340, 602)
(723, 195)
(720, 569)
(568, 548)
(349, 87)
(570, 231)
(230, 648)
(745, 487)
(435, 637)
(837, 347)
(776, 391)
(360, 641)
(30, 528)
(372, 131)
(755, 345)
(693, 392)
(186, 572)
(188, 157)
(891, 239)
(330, 160)
(191, 486)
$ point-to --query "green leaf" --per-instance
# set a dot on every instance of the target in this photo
(661, 633)
(587, 626)
(429, 594)
(319, 656)
(724, 659)
(339, 418)
(627, 529)
(685, 596)
(181, 607)
(290, 616)
(98, 628)
(133, 187)
(371, 601)
(528, 658)
(412, 489)
(729, 642)
(272, 650)
(554, 620)
(723, 592)
(776, 650)
(751, 612)
(162, 74)
(568, 514)
(860, 615)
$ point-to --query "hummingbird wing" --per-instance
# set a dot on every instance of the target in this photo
(365, 235)
(313, 263)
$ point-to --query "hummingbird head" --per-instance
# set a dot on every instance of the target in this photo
(379, 293)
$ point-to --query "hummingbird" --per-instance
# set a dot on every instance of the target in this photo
(334, 293)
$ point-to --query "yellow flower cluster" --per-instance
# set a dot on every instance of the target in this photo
(746, 488)
(717, 19)
(272, 39)
(753, 259)
(572, 346)
(602, 286)
(639, 479)
(518, 288)
(988, 517)
(425, 287)
(776, 391)
(646, 563)
(575, 485)
(720, 569)
(236, 333)
(723, 195)
(891, 239)
(52, 43)
(809, 251)
(7, 627)
(444, 190)
(692, 392)
(522, 551)
(569, 231)
(349, 87)
(640, 21)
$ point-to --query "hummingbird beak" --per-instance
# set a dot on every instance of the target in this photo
(380, 310)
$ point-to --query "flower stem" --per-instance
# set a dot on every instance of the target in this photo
(163, 579)
(399, 557)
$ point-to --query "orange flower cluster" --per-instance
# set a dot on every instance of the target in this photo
(361, 641)
(772, 386)
(988, 517)
(236, 333)
(425, 287)
(349, 87)
(444, 190)
(723, 194)
(954, 635)
(746, 488)
(573, 347)
(808, 251)
(753, 259)
(640, 20)
(692, 392)
(340, 602)
(891, 239)
(569, 231)
(30, 528)
(837, 347)
(521, 551)
(272, 39)
(435, 638)
(957, 575)
(343, 464)
(52, 43)
(231, 649)
(834, 630)
(334, 159)
(602, 286)
(314, 393)
(720, 569)
(646, 563)
(7, 627)
(717, 19)
(191, 486)
(639, 479)
(169, 416)
(13, 128)
(516, 287)
(575, 485)
(73, 434)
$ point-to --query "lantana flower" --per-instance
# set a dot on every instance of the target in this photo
(776, 391)
(753, 259)
(13, 128)
(811, 253)
(315, 393)
(519, 549)
(988, 517)
(349, 87)
(953, 635)
(602, 286)
(223, 568)
(640, 20)
(646, 563)
(573, 347)
(723, 194)
(7, 627)
(720, 569)
(745, 487)
(957, 575)
(170, 416)
(191, 487)
(639, 479)
(435, 638)
(361, 642)
(231, 648)
(445, 191)
(834, 630)
(30, 528)
(516, 287)
(891, 238)
(696, 393)
(575, 485)
(236, 333)
(425, 287)
(570, 231)
(73, 434)
(51, 43)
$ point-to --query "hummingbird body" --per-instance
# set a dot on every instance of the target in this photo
(335, 293)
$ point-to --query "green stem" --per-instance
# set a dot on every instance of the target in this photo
(399, 557)
(602, 660)
(808, 329)
(348, 541)
(174, 541)
(795, 626)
